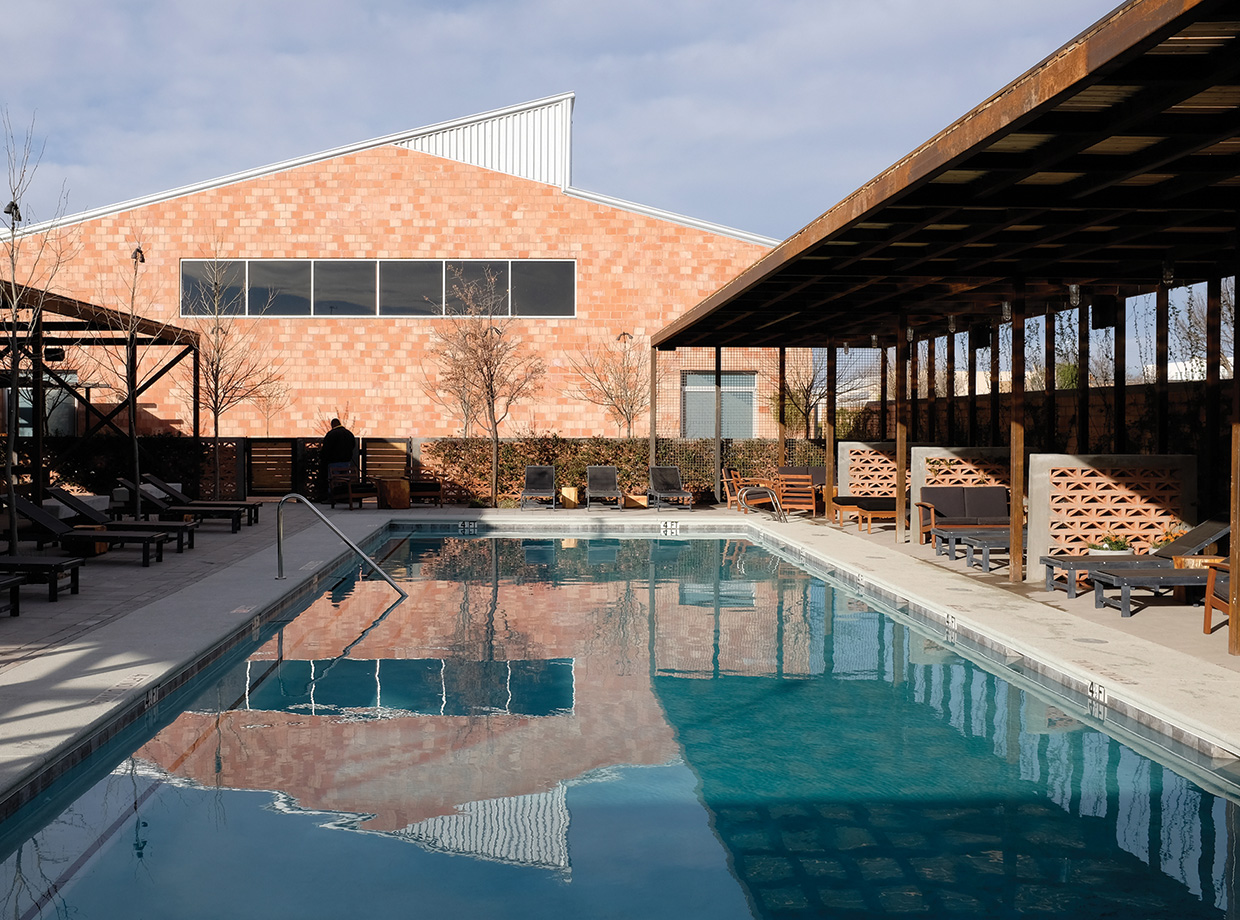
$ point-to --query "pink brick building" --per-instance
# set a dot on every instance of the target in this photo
(365, 230)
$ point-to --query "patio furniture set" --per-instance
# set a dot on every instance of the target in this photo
(96, 524)
(603, 487)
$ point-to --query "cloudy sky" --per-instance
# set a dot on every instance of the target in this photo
(755, 115)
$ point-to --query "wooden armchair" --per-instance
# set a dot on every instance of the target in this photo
(346, 484)
(1218, 594)
(797, 493)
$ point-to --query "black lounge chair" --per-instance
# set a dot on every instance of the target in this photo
(1158, 578)
(602, 484)
(178, 497)
(666, 488)
(183, 530)
(13, 583)
(1191, 543)
(168, 511)
(52, 529)
(50, 569)
(539, 485)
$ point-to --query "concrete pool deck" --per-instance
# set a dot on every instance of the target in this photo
(69, 668)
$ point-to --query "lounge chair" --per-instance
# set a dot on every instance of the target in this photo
(1156, 578)
(52, 529)
(13, 583)
(666, 489)
(173, 512)
(346, 484)
(1191, 543)
(50, 569)
(180, 498)
(602, 485)
(734, 483)
(183, 530)
(539, 486)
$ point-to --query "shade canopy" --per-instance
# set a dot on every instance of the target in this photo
(1114, 164)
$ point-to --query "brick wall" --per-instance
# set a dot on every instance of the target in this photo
(635, 273)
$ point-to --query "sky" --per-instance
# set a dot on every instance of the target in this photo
(758, 116)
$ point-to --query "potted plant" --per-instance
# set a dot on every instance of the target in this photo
(1172, 533)
(1110, 545)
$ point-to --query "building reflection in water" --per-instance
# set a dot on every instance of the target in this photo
(844, 761)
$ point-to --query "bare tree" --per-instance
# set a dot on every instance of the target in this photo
(234, 355)
(273, 398)
(134, 331)
(33, 260)
(478, 353)
(615, 376)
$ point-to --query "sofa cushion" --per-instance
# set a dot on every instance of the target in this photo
(989, 502)
(948, 501)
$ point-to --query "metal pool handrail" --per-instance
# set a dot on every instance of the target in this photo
(322, 517)
(776, 511)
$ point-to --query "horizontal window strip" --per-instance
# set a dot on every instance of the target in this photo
(545, 288)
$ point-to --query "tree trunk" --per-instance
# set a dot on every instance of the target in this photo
(10, 449)
(216, 418)
(131, 373)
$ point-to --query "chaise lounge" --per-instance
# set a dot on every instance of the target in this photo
(51, 529)
(183, 530)
(1191, 543)
(602, 485)
(539, 486)
(666, 490)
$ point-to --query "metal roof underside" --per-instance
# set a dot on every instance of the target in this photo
(1115, 155)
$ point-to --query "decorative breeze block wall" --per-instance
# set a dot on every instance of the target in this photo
(1074, 500)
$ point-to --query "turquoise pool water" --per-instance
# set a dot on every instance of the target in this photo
(606, 728)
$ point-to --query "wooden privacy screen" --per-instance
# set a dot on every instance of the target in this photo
(1135, 502)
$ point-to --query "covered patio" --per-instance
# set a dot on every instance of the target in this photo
(1109, 171)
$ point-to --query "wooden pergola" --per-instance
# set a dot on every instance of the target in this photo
(1109, 170)
(59, 323)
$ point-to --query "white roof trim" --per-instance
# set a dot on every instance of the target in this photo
(673, 217)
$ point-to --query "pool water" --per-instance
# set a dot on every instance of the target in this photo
(607, 728)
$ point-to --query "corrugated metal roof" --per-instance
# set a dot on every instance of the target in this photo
(532, 141)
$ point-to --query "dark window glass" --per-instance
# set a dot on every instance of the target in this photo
(212, 287)
(478, 288)
(344, 288)
(279, 288)
(544, 288)
(411, 288)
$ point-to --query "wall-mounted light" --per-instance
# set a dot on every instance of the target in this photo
(845, 348)
(951, 324)
(908, 333)
(873, 341)
(1168, 272)
(1074, 295)
(14, 212)
(1007, 311)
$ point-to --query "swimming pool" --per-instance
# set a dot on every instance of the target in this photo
(621, 728)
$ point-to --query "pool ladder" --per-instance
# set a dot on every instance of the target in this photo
(322, 517)
(776, 510)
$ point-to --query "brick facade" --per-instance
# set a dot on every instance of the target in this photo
(634, 273)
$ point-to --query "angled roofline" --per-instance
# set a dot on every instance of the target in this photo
(673, 217)
(293, 163)
(403, 138)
